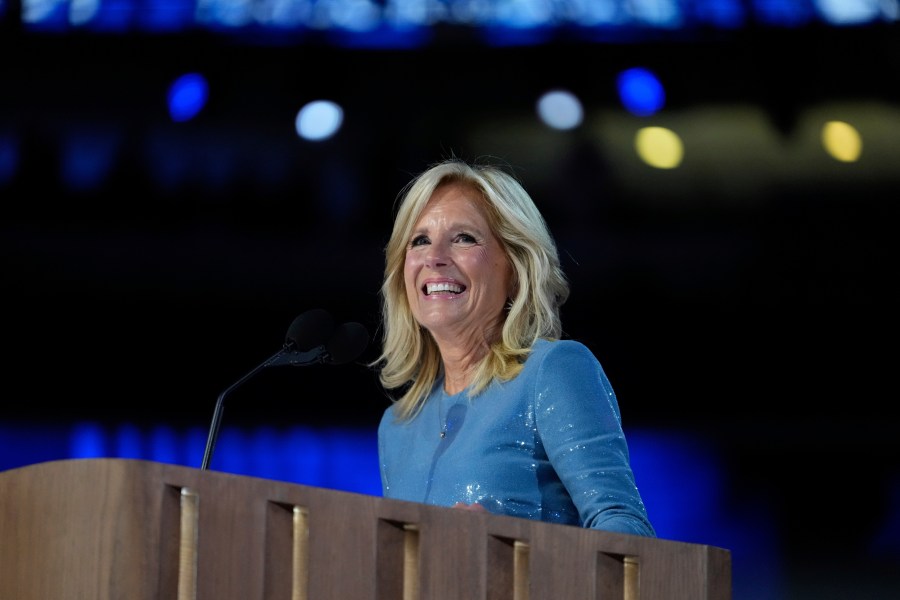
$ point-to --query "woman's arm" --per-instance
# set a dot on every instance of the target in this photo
(579, 424)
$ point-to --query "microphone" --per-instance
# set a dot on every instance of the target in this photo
(309, 329)
(305, 339)
(344, 345)
(306, 335)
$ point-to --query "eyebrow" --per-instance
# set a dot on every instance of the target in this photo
(455, 226)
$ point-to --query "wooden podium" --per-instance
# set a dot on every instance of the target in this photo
(120, 529)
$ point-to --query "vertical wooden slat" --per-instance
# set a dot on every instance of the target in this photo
(631, 572)
(521, 570)
(300, 555)
(187, 548)
(508, 569)
(410, 562)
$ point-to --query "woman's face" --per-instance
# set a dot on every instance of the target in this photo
(457, 275)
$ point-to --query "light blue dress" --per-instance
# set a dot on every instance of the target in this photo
(547, 445)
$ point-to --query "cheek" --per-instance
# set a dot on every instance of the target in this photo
(505, 277)
(409, 273)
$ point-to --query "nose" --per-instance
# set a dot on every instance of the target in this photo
(438, 255)
(436, 260)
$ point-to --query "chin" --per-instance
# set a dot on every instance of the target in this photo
(431, 316)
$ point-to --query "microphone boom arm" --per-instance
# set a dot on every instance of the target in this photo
(220, 404)
(344, 344)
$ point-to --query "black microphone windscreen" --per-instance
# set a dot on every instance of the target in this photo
(347, 343)
(312, 328)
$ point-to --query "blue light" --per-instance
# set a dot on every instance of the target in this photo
(88, 157)
(169, 16)
(128, 441)
(353, 461)
(122, 16)
(662, 15)
(187, 97)
(45, 16)
(112, 16)
(9, 157)
(386, 37)
(88, 440)
(319, 120)
(723, 14)
(560, 109)
(507, 36)
(163, 445)
(640, 92)
(410, 23)
(783, 14)
(850, 12)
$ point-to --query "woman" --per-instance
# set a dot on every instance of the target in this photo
(493, 411)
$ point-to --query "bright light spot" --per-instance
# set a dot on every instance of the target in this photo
(187, 97)
(560, 109)
(35, 11)
(640, 92)
(319, 120)
(849, 12)
(659, 147)
(357, 16)
(83, 11)
(841, 141)
(666, 14)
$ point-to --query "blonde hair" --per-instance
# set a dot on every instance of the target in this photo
(410, 361)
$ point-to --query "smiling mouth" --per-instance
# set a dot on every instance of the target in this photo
(443, 288)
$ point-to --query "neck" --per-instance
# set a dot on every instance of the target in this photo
(461, 353)
(454, 384)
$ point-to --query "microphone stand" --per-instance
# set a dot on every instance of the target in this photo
(287, 355)
(220, 406)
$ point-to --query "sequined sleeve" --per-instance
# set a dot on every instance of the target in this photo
(579, 424)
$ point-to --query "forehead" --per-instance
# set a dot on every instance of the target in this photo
(456, 200)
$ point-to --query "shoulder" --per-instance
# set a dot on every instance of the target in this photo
(562, 358)
(567, 372)
(554, 350)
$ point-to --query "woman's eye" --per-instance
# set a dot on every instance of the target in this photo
(419, 240)
(465, 238)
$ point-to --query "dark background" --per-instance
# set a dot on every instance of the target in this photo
(764, 324)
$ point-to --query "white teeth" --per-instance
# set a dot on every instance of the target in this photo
(432, 288)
